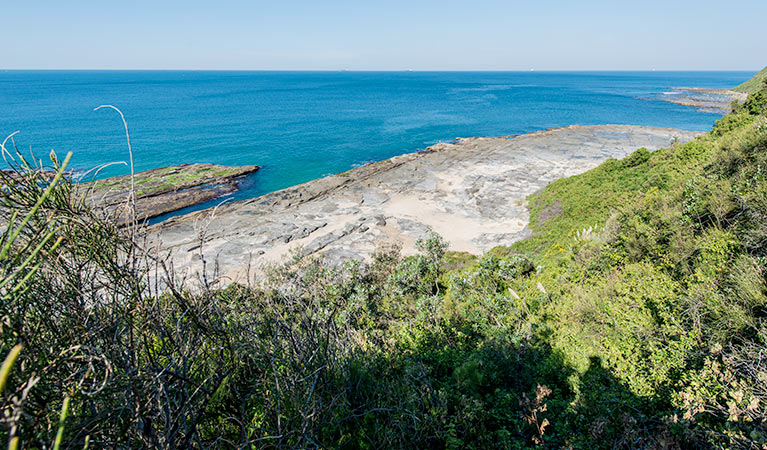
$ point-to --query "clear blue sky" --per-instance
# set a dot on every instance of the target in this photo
(384, 34)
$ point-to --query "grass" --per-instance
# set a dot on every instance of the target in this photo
(754, 84)
(166, 179)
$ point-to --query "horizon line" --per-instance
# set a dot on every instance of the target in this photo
(361, 70)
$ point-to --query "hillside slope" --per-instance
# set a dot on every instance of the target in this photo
(654, 268)
(754, 84)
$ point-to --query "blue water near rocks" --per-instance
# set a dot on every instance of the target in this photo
(304, 125)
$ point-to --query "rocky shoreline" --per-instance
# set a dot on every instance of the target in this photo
(705, 99)
(472, 192)
(164, 190)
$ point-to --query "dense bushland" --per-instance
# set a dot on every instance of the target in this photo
(634, 318)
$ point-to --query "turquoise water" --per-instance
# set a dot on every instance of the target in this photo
(303, 125)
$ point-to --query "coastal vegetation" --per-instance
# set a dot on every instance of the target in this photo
(754, 83)
(634, 317)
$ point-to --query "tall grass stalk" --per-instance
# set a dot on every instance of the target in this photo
(5, 369)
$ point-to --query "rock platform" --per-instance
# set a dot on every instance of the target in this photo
(472, 192)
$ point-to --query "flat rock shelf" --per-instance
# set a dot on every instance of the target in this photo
(472, 192)
(704, 99)
(164, 190)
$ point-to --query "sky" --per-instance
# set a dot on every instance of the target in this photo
(384, 35)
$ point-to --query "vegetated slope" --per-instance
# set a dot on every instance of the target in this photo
(655, 270)
(633, 318)
(754, 84)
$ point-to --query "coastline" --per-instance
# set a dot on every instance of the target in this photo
(705, 99)
(333, 128)
(164, 190)
(472, 192)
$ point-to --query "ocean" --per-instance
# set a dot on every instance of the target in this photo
(303, 125)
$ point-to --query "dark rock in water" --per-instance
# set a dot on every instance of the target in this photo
(164, 190)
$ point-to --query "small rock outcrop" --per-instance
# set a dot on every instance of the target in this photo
(164, 190)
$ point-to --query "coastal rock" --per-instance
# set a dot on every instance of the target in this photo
(472, 192)
(704, 99)
(164, 190)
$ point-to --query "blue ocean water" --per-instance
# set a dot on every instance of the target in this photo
(304, 125)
